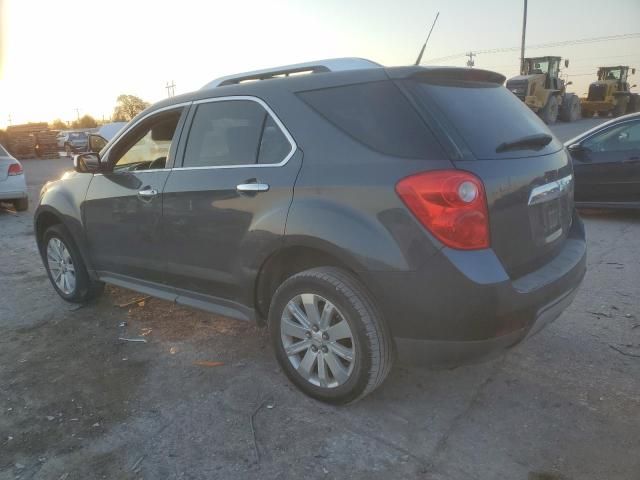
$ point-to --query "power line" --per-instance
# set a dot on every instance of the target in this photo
(580, 41)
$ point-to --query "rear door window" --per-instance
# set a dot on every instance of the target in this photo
(485, 115)
(232, 133)
(378, 115)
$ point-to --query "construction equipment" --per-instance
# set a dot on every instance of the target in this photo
(611, 93)
(544, 92)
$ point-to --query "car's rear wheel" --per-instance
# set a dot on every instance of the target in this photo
(329, 336)
(21, 204)
(66, 269)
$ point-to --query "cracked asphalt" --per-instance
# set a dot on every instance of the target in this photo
(78, 403)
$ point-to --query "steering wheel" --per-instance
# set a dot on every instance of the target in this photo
(159, 162)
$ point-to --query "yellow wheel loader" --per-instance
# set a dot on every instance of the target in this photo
(544, 92)
(610, 94)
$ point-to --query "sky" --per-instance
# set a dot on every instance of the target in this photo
(62, 58)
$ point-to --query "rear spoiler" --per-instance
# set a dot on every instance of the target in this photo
(443, 74)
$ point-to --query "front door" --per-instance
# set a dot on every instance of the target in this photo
(227, 204)
(607, 168)
(123, 207)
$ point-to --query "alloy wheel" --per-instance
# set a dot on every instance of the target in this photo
(61, 266)
(317, 340)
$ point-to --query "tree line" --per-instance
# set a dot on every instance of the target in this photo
(127, 107)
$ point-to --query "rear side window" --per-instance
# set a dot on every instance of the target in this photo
(485, 115)
(378, 115)
(234, 132)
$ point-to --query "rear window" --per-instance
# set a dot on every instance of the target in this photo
(485, 115)
(378, 115)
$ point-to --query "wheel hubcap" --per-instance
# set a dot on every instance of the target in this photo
(61, 266)
(317, 340)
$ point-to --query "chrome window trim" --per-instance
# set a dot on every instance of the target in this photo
(270, 112)
(130, 126)
(550, 191)
(135, 171)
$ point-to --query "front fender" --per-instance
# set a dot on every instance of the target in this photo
(63, 200)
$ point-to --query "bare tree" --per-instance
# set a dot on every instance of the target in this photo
(128, 106)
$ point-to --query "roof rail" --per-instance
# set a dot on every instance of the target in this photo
(319, 66)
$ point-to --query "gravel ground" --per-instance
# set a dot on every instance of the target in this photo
(78, 403)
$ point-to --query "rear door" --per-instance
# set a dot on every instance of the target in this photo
(123, 207)
(226, 205)
(607, 167)
(529, 185)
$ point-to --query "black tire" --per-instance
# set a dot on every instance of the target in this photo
(549, 113)
(634, 103)
(603, 114)
(570, 111)
(85, 288)
(68, 150)
(373, 344)
(21, 204)
(621, 106)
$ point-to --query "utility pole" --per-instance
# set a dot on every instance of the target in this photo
(77, 113)
(171, 89)
(9, 119)
(470, 62)
(524, 31)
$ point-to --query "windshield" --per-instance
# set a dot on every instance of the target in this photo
(613, 74)
(538, 66)
(486, 116)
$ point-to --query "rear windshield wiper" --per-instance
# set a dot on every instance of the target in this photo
(530, 142)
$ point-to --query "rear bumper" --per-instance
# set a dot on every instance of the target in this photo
(13, 188)
(463, 305)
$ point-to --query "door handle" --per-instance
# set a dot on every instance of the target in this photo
(252, 187)
(147, 193)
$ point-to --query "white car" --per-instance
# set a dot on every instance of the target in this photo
(13, 186)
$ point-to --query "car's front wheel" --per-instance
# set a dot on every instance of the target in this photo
(66, 269)
(329, 336)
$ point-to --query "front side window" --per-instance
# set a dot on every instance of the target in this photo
(234, 132)
(147, 146)
(621, 138)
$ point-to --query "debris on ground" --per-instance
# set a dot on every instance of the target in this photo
(206, 363)
(140, 301)
(136, 465)
(134, 339)
(600, 314)
(628, 354)
(269, 403)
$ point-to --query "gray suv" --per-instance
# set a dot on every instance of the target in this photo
(359, 212)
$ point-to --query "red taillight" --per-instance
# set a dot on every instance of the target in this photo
(15, 169)
(451, 204)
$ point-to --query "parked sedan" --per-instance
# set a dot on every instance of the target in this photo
(13, 187)
(606, 164)
(76, 142)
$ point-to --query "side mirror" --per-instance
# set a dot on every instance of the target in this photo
(576, 148)
(566, 63)
(96, 143)
(86, 163)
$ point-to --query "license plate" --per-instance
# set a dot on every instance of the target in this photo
(552, 223)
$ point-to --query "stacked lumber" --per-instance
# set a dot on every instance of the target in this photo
(46, 144)
(23, 140)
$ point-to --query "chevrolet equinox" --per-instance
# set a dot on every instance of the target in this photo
(360, 212)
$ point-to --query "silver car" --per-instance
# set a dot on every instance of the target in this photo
(13, 186)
